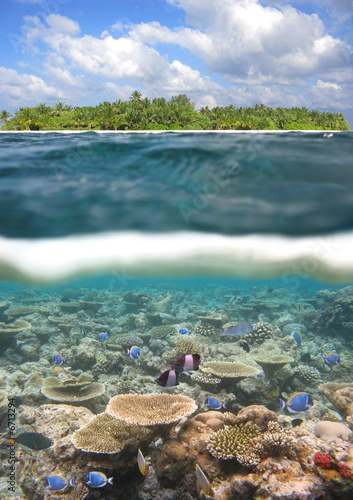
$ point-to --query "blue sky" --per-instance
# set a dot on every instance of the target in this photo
(218, 52)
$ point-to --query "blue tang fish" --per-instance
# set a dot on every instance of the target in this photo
(57, 483)
(103, 336)
(297, 336)
(187, 362)
(332, 358)
(214, 403)
(241, 329)
(300, 401)
(168, 378)
(183, 331)
(97, 480)
(134, 352)
(59, 359)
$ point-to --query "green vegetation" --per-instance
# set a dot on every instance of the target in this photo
(176, 114)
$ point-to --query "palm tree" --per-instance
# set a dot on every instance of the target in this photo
(136, 95)
(5, 115)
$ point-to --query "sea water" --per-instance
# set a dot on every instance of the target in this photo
(247, 226)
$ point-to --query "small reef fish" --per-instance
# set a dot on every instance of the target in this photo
(168, 378)
(82, 330)
(59, 359)
(300, 401)
(297, 336)
(97, 480)
(296, 422)
(186, 363)
(202, 481)
(57, 483)
(142, 463)
(305, 357)
(244, 345)
(134, 352)
(31, 440)
(103, 336)
(241, 329)
(183, 331)
(332, 358)
(214, 403)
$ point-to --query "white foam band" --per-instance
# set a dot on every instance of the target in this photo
(45, 261)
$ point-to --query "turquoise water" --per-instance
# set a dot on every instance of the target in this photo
(60, 184)
(125, 229)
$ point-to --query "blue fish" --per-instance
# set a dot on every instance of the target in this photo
(103, 336)
(82, 330)
(57, 483)
(134, 352)
(214, 403)
(59, 359)
(300, 401)
(297, 336)
(183, 331)
(97, 480)
(332, 358)
(241, 329)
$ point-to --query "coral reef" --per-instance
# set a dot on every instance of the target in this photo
(330, 431)
(150, 409)
(273, 461)
(340, 395)
(232, 441)
(106, 434)
(67, 388)
(272, 363)
(261, 331)
(336, 312)
(161, 332)
(229, 370)
(307, 374)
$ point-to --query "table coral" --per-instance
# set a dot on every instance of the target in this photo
(150, 409)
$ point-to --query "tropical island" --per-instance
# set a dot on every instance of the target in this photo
(178, 113)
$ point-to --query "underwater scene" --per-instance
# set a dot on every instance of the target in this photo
(176, 316)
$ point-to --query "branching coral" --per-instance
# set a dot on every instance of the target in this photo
(307, 374)
(260, 332)
(183, 346)
(232, 441)
(248, 445)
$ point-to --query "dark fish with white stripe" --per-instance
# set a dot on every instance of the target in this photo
(168, 378)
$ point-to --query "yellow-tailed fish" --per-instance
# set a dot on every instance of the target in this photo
(142, 463)
(202, 481)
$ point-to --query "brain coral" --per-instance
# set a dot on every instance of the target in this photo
(329, 431)
(150, 409)
(106, 434)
